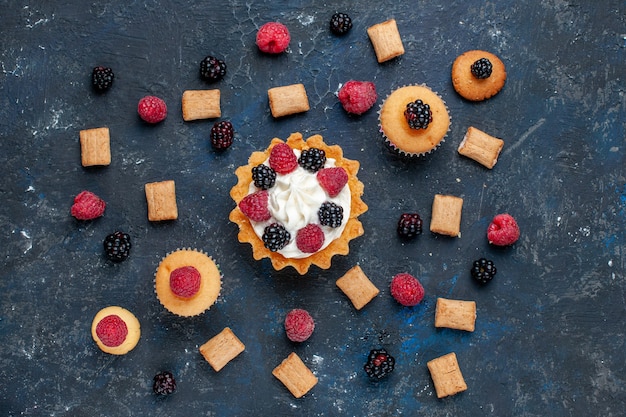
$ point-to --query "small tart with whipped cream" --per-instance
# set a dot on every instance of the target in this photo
(187, 282)
(301, 210)
(115, 330)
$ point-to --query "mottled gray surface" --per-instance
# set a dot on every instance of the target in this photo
(549, 337)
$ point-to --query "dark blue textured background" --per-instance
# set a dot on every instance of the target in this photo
(549, 336)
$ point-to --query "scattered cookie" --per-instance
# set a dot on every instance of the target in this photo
(481, 147)
(478, 75)
(201, 104)
(455, 314)
(386, 40)
(359, 289)
(295, 375)
(95, 147)
(446, 375)
(161, 197)
(446, 215)
(221, 349)
(287, 100)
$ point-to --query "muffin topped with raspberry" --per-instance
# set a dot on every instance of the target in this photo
(115, 330)
(298, 203)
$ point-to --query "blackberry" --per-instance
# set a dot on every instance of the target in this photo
(212, 69)
(340, 23)
(275, 237)
(117, 246)
(222, 134)
(481, 68)
(312, 159)
(263, 176)
(409, 225)
(102, 78)
(483, 270)
(164, 383)
(330, 214)
(379, 364)
(418, 114)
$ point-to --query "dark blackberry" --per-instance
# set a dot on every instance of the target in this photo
(481, 68)
(483, 270)
(379, 364)
(222, 134)
(418, 114)
(409, 225)
(117, 246)
(340, 23)
(212, 69)
(263, 176)
(275, 237)
(102, 78)
(312, 159)
(164, 383)
(330, 214)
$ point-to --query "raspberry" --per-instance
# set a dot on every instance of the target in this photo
(102, 78)
(418, 114)
(483, 270)
(330, 214)
(164, 383)
(379, 364)
(310, 238)
(87, 206)
(299, 325)
(212, 69)
(275, 237)
(117, 246)
(282, 159)
(340, 23)
(222, 134)
(332, 180)
(273, 38)
(357, 97)
(503, 230)
(254, 206)
(185, 281)
(152, 109)
(112, 330)
(409, 225)
(481, 69)
(263, 176)
(406, 289)
(312, 159)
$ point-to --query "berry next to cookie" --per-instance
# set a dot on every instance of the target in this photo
(152, 109)
(357, 97)
(406, 289)
(273, 38)
(503, 230)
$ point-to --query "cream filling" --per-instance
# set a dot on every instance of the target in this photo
(294, 202)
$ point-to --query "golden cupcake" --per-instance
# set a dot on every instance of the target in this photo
(187, 282)
(298, 203)
(115, 330)
(414, 120)
(478, 75)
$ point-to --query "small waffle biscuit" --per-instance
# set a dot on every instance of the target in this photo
(446, 215)
(161, 197)
(95, 147)
(357, 287)
(481, 147)
(386, 40)
(222, 348)
(446, 375)
(455, 314)
(287, 100)
(472, 88)
(201, 104)
(295, 375)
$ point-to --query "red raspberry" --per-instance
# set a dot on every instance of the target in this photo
(185, 281)
(332, 180)
(310, 238)
(503, 230)
(406, 289)
(87, 206)
(152, 109)
(254, 206)
(282, 159)
(112, 330)
(299, 325)
(273, 38)
(357, 97)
